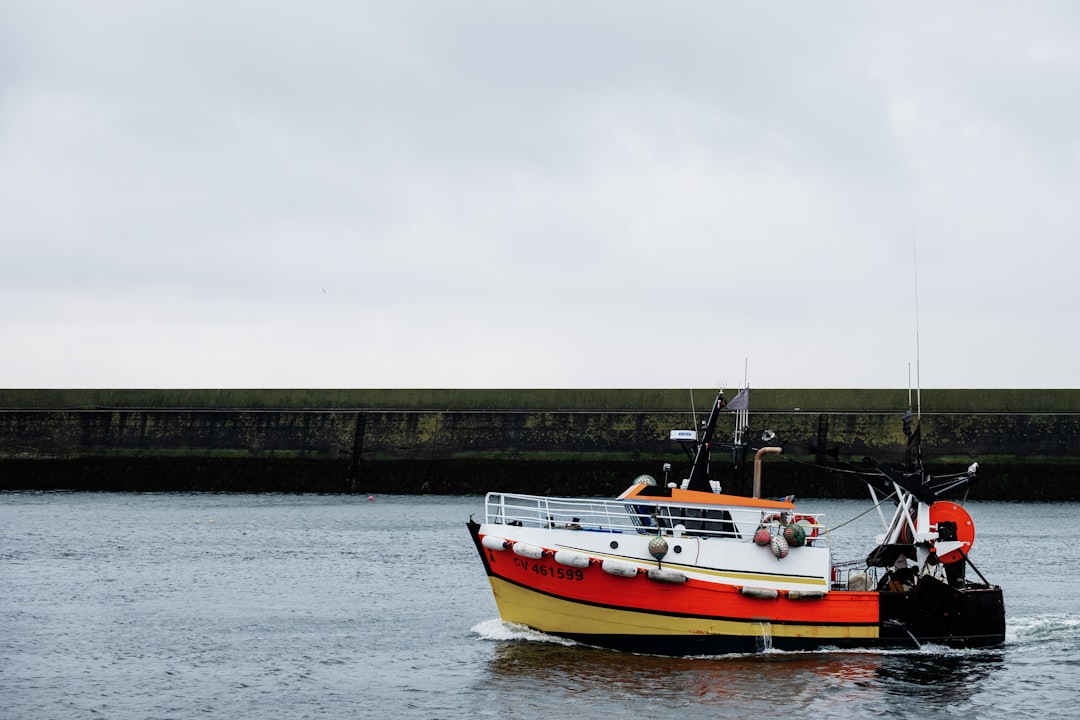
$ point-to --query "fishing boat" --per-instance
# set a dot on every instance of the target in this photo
(680, 568)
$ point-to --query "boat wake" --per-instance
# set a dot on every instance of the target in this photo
(499, 631)
(496, 629)
(1042, 629)
(926, 650)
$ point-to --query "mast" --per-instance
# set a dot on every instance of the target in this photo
(699, 472)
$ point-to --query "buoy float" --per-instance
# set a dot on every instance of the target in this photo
(760, 593)
(859, 581)
(494, 543)
(795, 535)
(526, 550)
(666, 575)
(806, 594)
(762, 536)
(618, 567)
(779, 546)
(658, 547)
(571, 559)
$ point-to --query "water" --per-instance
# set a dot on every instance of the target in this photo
(277, 606)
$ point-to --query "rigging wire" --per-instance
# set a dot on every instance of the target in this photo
(869, 509)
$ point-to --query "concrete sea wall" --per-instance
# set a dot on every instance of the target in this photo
(469, 441)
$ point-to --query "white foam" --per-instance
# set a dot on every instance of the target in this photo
(496, 629)
(1040, 628)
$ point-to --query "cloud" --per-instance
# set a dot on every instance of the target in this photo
(388, 194)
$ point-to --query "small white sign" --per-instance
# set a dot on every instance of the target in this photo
(684, 435)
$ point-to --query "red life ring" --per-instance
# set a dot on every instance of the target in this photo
(809, 523)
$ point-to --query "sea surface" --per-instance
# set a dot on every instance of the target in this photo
(328, 606)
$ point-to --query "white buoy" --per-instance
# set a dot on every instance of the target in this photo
(493, 543)
(806, 594)
(762, 593)
(571, 559)
(525, 550)
(666, 575)
(859, 581)
(618, 567)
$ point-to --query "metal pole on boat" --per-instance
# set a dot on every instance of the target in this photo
(757, 466)
(699, 472)
(918, 376)
(877, 506)
(968, 561)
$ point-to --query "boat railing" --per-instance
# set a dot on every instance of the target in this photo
(623, 516)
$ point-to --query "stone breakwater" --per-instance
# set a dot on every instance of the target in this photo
(1023, 454)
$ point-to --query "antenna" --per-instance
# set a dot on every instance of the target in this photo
(918, 377)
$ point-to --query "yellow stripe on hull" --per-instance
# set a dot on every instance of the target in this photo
(558, 616)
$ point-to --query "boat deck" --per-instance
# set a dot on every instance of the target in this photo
(645, 515)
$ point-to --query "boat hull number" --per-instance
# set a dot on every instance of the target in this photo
(558, 573)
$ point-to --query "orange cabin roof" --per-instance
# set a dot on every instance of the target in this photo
(697, 497)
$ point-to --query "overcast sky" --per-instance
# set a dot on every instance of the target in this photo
(559, 194)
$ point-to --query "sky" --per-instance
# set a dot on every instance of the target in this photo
(491, 194)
